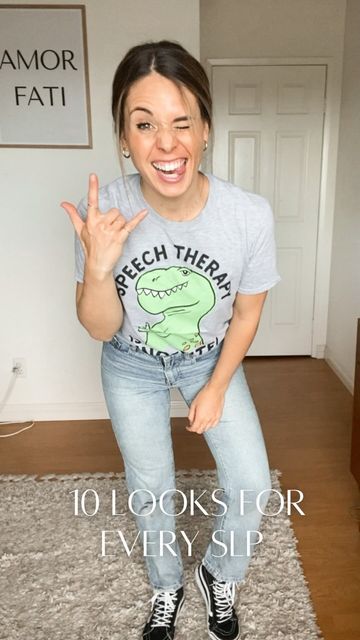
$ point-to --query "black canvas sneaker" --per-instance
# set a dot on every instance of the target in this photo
(219, 598)
(165, 608)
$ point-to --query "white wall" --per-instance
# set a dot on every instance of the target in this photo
(38, 320)
(344, 306)
(259, 28)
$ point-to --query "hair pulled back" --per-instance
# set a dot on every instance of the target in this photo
(170, 60)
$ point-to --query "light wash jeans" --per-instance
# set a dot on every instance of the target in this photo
(137, 393)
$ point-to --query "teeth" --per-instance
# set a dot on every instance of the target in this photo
(161, 294)
(169, 166)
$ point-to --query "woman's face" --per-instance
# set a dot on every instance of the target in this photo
(165, 135)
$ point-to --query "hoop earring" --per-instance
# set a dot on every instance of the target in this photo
(125, 153)
(205, 145)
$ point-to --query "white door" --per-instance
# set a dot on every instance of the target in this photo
(268, 139)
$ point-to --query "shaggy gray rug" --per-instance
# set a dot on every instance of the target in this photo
(55, 585)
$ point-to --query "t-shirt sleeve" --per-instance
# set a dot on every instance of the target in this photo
(79, 251)
(260, 271)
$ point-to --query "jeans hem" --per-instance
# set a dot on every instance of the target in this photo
(167, 588)
(216, 574)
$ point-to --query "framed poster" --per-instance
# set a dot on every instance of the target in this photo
(44, 79)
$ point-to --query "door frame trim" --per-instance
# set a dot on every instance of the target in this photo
(327, 180)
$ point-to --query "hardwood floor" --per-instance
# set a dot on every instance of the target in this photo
(305, 412)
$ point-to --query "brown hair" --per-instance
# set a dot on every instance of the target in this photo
(170, 60)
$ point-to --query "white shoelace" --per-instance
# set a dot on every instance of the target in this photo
(164, 603)
(224, 596)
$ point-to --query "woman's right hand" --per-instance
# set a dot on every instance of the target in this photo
(102, 235)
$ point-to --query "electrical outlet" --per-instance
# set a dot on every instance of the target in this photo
(19, 367)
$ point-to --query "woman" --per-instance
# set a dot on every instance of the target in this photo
(173, 267)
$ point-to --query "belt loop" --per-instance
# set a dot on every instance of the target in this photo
(163, 360)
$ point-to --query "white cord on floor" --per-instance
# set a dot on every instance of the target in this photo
(2, 405)
(8, 435)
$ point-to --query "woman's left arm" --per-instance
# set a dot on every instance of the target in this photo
(206, 408)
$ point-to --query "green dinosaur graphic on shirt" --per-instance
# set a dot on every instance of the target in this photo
(184, 297)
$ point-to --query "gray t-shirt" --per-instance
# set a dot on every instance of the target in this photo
(178, 280)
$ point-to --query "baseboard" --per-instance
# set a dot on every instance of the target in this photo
(330, 359)
(70, 411)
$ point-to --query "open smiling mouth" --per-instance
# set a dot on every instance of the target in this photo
(170, 168)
